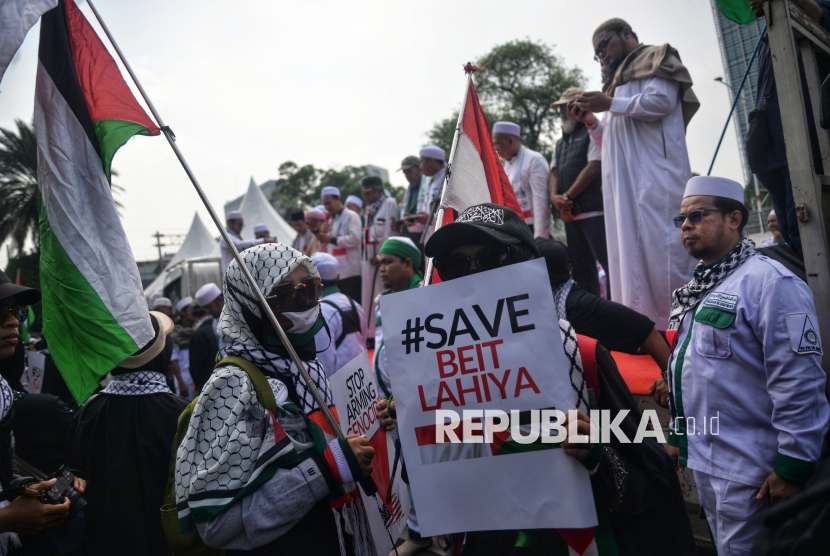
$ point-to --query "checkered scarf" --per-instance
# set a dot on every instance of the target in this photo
(575, 370)
(687, 297)
(560, 298)
(228, 418)
(137, 384)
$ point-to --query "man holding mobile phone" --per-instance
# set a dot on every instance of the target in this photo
(576, 190)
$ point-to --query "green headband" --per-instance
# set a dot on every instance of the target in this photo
(402, 250)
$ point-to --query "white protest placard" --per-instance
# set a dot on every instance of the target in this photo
(489, 341)
(32, 378)
(355, 391)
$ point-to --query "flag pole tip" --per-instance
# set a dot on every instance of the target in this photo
(470, 68)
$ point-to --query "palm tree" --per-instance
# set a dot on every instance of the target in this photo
(19, 206)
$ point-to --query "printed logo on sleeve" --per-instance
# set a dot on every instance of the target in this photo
(726, 301)
(804, 336)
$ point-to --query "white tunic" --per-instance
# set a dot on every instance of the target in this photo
(241, 245)
(760, 377)
(378, 232)
(645, 167)
(347, 227)
(333, 358)
(529, 175)
(435, 186)
(182, 356)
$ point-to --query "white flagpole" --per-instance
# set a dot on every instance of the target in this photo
(439, 217)
(171, 139)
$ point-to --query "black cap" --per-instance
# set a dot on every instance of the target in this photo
(297, 215)
(24, 295)
(557, 257)
(485, 224)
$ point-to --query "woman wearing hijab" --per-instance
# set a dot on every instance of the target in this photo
(254, 482)
(122, 440)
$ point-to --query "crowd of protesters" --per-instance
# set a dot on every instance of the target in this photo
(733, 331)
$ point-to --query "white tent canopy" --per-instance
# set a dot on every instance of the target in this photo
(256, 209)
(198, 243)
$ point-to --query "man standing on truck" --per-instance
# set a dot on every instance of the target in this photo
(747, 388)
(235, 223)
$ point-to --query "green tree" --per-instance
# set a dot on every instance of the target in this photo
(19, 205)
(295, 187)
(521, 81)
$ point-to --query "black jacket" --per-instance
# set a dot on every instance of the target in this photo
(203, 349)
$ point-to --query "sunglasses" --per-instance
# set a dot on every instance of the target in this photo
(603, 44)
(454, 266)
(285, 297)
(694, 217)
(19, 312)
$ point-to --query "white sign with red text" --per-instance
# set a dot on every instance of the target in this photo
(355, 391)
(473, 350)
(32, 378)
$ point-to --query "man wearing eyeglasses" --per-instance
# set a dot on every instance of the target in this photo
(747, 388)
(648, 101)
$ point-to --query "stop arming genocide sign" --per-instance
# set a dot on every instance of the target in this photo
(355, 391)
(490, 341)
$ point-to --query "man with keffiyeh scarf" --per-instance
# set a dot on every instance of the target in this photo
(745, 378)
(254, 482)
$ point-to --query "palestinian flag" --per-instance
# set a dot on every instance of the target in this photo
(737, 10)
(94, 312)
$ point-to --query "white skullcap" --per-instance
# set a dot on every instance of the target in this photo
(234, 215)
(207, 293)
(183, 303)
(507, 127)
(714, 187)
(260, 228)
(432, 151)
(771, 213)
(354, 199)
(327, 266)
(330, 190)
(162, 302)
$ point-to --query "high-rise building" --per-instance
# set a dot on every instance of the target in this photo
(736, 45)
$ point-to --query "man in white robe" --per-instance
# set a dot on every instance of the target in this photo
(235, 223)
(345, 335)
(343, 241)
(380, 216)
(528, 173)
(433, 168)
(648, 102)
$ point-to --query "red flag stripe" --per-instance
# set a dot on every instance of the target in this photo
(106, 93)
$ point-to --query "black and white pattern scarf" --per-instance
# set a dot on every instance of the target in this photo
(686, 298)
(560, 298)
(575, 369)
(137, 384)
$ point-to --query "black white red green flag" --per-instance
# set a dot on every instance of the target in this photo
(94, 313)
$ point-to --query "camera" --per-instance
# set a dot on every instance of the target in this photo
(64, 488)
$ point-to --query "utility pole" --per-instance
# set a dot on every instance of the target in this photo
(158, 235)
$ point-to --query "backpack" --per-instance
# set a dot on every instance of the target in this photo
(350, 320)
(192, 545)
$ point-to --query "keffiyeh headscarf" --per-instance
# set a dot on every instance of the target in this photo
(705, 280)
(228, 418)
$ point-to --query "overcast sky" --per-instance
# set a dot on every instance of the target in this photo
(248, 85)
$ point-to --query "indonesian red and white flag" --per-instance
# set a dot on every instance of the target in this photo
(476, 174)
